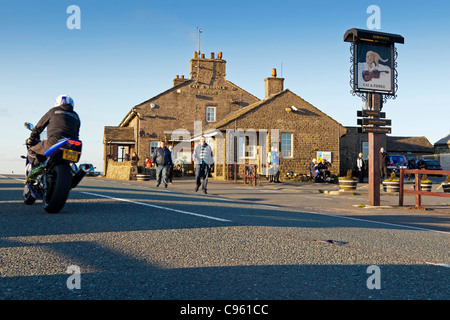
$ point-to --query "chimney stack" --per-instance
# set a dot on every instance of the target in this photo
(273, 85)
(208, 71)
(179, 80)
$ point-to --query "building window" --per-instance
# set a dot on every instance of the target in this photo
(286, 145)
(210, 114)
(122, 152)
(247, 148)
(365, 150)
(153, 146)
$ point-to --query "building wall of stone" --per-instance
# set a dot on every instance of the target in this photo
(181, 106)
(312, 130)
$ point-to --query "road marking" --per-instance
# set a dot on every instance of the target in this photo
(155, 206)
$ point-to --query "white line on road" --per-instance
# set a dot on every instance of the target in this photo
(157, 207)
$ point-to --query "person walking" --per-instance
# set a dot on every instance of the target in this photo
(162, 159)
(204, 161)
(361, 167)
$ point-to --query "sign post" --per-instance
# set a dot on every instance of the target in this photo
(374, 158)
(374, 79)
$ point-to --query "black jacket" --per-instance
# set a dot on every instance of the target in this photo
(61, 122)
(162, 157)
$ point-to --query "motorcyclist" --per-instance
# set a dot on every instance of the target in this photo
(61, 122)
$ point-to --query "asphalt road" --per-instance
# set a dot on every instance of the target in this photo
(131, 240)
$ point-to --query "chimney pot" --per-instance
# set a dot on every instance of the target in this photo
(182, 77)
(203, 56)
(274, 72)
(219, 56)
(212, 55)
(195, 55)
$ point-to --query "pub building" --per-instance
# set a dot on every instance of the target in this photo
(240, 127)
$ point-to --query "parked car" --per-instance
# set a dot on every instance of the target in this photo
(397, 162)
(92, 172)
(428, 164)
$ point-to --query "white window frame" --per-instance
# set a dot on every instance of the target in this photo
(154, 148)
(245, 149)
(209, 108)
(282, 145)
(121, 152)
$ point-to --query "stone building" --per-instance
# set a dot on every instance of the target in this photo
(240, 127)
(353, 143)
(442, 150)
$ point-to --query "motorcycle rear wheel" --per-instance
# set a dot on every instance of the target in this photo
(58, 189)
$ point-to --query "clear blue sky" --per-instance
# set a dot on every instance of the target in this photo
(129, 51)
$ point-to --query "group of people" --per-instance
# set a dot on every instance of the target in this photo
(362, 167)
(162, 158)
(320, 171)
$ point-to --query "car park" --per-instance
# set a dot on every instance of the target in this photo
(428, 164)
(92, 172)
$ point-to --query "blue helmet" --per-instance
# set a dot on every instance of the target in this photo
(64, 99)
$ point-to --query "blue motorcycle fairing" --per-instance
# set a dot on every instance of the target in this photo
(60, 144)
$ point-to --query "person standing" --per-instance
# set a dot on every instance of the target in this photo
(384, 161)
(148, 162)
(361, 167)
(276, 165)
(204, 161)
(162, 159)
(269, 165)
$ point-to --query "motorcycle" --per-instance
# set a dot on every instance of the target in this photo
(57, 176)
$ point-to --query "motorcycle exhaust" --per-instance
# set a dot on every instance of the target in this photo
(84, 168)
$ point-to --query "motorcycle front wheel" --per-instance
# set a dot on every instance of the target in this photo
(58, 187)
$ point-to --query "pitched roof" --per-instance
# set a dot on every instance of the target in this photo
(408, 144)
(444, 141)
(241, 112)
(130, 115)
(118, 134)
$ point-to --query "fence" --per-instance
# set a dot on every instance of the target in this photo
(417, 189)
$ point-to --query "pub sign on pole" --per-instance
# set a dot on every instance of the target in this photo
(373, 60)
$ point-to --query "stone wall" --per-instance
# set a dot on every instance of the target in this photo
(126, 170)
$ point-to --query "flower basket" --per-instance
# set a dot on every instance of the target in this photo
(348, 182)
(446, 185)
(425, 186)
(345, 184)
(392, 184)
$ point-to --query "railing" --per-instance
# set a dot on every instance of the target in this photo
(417, 190)
(249, 172)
